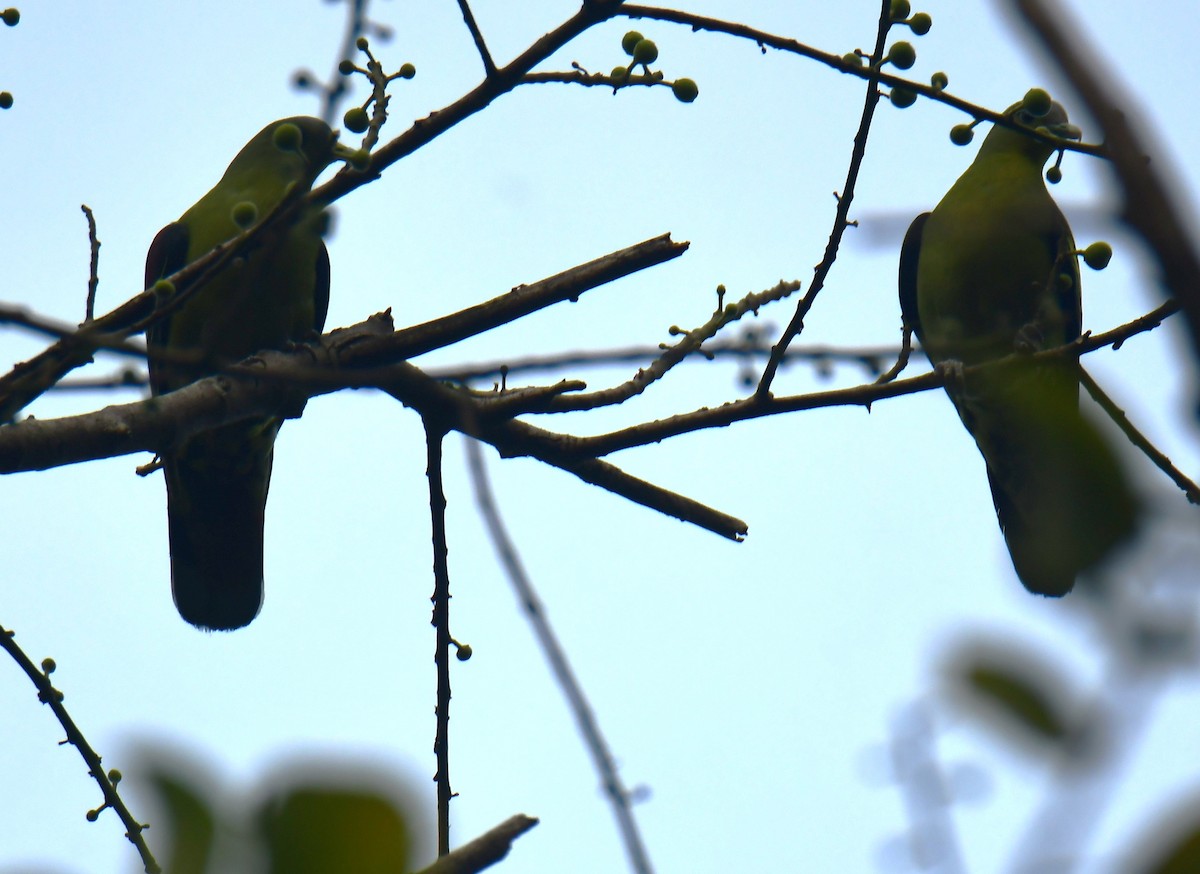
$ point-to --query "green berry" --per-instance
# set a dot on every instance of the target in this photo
(163, 288)
(114, 776)
(645, 52)
(346, 67)
(359, 159)
(244, 214)
(1054, 175)
(854, 59)
(362, 43)
(630, 40)
(287, 138)
(900, 10)
(464, 652)
(902, 55)
(92, 815)
(902, 98)
(939, 81)
(48, 665)
(962, 134)
(619, 73)
(6, 100)
(685, 90)
(11, 17)
(1097, 255)
(407, 71)
(356, 120)
(920, 23)
(1036, 102)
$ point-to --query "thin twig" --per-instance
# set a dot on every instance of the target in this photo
(1138, 439)
(691, 342)
(489, 66)
(619, 797)
(434, 435)
(115, 341)
(48, 695)
(764, 39)
(901, 359)
(754, 407)
(89, 310)
(840, 221)
(868, 357)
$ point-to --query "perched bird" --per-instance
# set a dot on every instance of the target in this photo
(275, 294)
(993, 271)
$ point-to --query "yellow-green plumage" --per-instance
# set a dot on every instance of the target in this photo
(276, 294)
(992, 272)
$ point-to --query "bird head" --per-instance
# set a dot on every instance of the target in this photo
(1035, 112)
(296, 149)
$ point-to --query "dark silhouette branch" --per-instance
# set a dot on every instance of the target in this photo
(1138, 439)
(484, 851)
(489, 66)
(434, 437)
(89, 309)
(691, 343)
(841, 215)
(106, 780)
(765, 40)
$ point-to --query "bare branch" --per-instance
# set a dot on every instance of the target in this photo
(691, 343)
(755, 407)
(1138, 439)
(620, 798)
(89, 310)
(485, 851)
(489, 66)
(868, 357)
(763, 39)
(520, 301)
(840, 220)
(106, 780)
(434, 438)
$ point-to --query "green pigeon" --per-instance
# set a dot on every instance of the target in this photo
(993, 271)
(277, 293)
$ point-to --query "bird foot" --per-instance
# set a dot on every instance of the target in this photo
(951, 372)
(1029, 339)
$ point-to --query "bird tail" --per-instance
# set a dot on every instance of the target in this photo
(1062, 499)
(216, 501)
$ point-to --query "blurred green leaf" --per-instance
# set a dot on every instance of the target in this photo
(1020, 697)
(320, 830)
(190, 821)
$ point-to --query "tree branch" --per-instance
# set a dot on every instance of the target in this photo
(485, 851)
(489, 66)
(620, 798)
(106, 780)
(841, 215)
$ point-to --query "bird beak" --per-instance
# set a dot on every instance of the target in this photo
(1062, 130)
